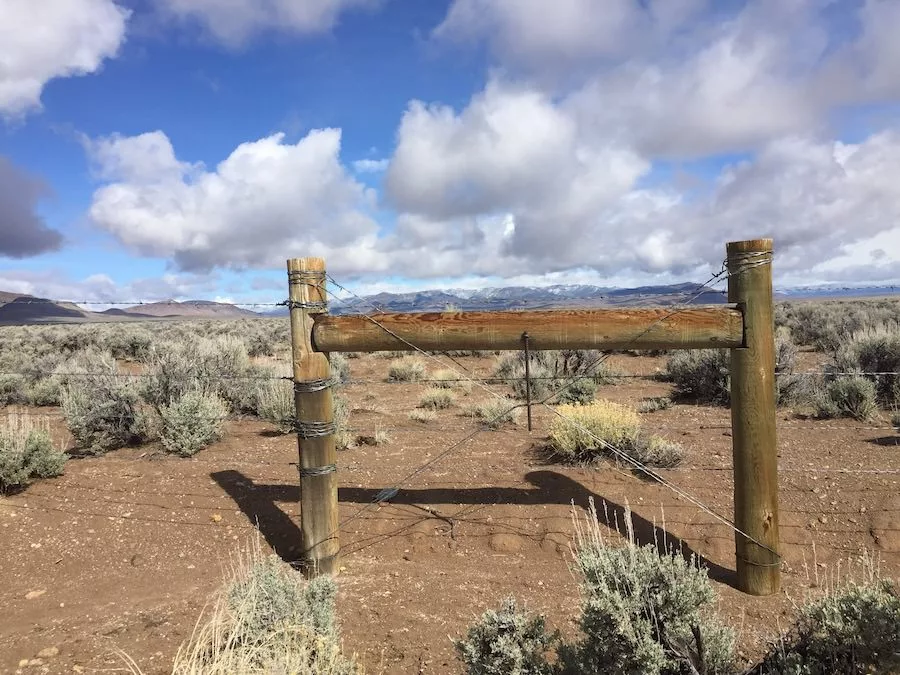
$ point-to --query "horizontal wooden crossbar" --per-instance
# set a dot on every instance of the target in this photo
(645, 328)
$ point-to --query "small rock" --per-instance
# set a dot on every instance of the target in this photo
(77, 669)
(31, 595)
(35, 662)
(823, 519)
(48, 653)
(216, 518)
(23, 663)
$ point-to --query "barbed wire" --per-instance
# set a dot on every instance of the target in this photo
(620, 454)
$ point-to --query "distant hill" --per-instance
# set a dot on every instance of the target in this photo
(17, 309)
(193, 309)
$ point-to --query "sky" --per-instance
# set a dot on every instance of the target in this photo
(155, 149)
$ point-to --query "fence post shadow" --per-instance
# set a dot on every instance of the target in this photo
(259, 503)
(614, 516)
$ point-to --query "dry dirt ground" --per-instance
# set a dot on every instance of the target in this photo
(123, 551)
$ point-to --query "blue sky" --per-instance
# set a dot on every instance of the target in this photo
(183, 149)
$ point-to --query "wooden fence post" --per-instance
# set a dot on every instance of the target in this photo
(753, 418)
(314, 417)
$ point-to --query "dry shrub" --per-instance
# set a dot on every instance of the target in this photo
(192, 422)
(588, 432)
(275, 403)
(496, 412)
(423, 416)
(852, 396)
(437, 399)
(266, 619)
(27, 452)
(101, 407)
(407, 369)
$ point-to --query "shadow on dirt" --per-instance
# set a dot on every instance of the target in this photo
(258, 503)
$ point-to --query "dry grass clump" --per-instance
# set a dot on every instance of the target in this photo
(437, 399)
(27, 452)
(266, 619)
(588, 432)
(423, 416)
(407, 369)
(496, 412)
(649, 405)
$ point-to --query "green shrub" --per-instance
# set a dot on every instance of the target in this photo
(852, 396)
(45, 391)
(876, 350)
(580, 391)
(642, 613)
(853, 630)
(495, 412)
(13, 389)
(437, 399)
(101, 407)
(191, 422)
(701, 375)
(26, 453)
(645, 614)
(221, 366)
(128, 342)
(275, 403)
(407, 369)
(506, 641)
(267, 620)
(574, 373)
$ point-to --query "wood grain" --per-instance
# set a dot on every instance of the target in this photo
(656, 328)
(318, 494)
(753, 421)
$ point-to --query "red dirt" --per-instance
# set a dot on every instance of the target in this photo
(125, 550)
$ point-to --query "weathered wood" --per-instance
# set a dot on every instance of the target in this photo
(657, 328)
(753, 418)
(318, 488)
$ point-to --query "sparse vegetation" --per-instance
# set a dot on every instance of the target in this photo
(407, 369)
(854, 630)
(423, 416)
(852, 396)
(101, 407)
(649, 405)
(506, 641)
(267, 620)
(495, 412)
(437, 399)
(27, 452)
(192, 422)
(588, 432)
(701, 375)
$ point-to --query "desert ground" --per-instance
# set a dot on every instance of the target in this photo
(120, 554)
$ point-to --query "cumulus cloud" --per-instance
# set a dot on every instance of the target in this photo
(267, 201)
(234, 22)
(370, 165)
(101, 291)
(74, 38)
(23, 232)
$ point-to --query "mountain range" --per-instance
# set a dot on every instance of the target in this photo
(17, 308)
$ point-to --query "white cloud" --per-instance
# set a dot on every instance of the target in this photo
(100, 291)
(233, 22)
(370, 165)
(269, 200)
(40, 41)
